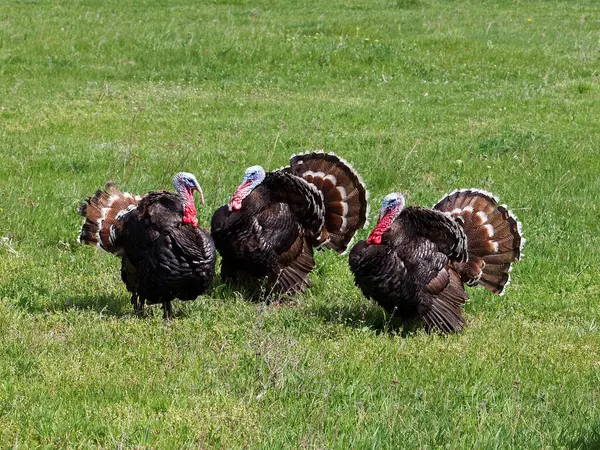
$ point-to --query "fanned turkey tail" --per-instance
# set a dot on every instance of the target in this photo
(494, 237)
(103, 217)
(344, 194)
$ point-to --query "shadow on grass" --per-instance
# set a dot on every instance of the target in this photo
(108, 305)
(249, 290)
(359, 316)
(118, 306)
(356, 316)
(591, 441)
(104, 304)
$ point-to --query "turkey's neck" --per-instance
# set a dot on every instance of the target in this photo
(382, 225)
(189, 209)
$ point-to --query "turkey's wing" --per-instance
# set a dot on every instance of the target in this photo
(443, 231)
(303, 198)
(440, 302)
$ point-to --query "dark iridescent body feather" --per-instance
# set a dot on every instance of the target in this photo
(318, 201)
(162, 257)
(425, 256)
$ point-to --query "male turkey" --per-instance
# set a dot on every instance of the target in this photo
(274, 220)
(164, 253)
(415, 261)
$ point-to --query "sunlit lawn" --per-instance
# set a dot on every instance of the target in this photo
(422, 96)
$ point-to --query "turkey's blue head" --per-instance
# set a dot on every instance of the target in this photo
(391, 207)
(252, 177)
(186, 183)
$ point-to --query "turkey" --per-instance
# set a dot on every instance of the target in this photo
(164, 255)
(274, 220)
(415, 261)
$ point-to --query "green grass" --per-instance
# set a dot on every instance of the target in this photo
(424, 96)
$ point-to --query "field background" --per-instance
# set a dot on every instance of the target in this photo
(423, 96)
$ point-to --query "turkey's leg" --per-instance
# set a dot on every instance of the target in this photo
(138, 304)
(167, 310)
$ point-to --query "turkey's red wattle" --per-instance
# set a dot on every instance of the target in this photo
(235, 204)
(240, 193)
(189, 210)
(381, 227)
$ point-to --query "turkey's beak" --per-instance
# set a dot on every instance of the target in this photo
(201, 195)
(199, 189)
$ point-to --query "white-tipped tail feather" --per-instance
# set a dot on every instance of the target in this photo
(103, 215)
(344, 193)
(494, 237)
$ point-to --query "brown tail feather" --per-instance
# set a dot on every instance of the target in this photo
(344, 194)
(494, 237)
(103, 213)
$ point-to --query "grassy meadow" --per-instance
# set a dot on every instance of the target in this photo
(423, 96)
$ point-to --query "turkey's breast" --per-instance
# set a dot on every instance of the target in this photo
(394, 272)
(164, 258)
